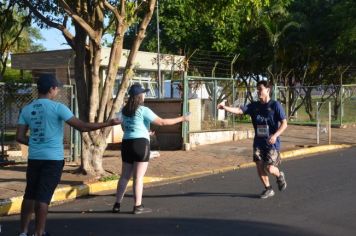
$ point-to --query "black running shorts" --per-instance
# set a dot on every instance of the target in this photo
(42, 178)
(135, 150)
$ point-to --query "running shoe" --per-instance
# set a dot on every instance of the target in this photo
(267, 193)
(141, 210)
(281, 181)
(116, 208)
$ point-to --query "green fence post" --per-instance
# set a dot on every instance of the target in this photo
(214, 102)
(185, 107)
(341, 103)
(233, 100)
(77, 142)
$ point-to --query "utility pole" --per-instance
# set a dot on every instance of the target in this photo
(160, 95)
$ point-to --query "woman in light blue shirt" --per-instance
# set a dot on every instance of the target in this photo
(135, 149)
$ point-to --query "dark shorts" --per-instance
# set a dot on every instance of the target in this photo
(268, 156)
(135, 150)
(42, 178)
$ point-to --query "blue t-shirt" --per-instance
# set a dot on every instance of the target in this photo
(137, 126)
(45, 119)
(266, 120)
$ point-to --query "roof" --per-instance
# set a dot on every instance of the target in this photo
(64, 58)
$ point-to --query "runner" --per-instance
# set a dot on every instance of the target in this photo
(269, 122)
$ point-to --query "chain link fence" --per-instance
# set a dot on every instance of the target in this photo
(300, 103)
(13, 97)
(203, 96)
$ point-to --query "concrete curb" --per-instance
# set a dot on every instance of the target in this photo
(13, 205)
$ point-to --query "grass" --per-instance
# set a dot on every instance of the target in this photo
(9, 136)
(109, 178)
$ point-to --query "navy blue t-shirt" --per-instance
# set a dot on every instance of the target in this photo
(266, 120)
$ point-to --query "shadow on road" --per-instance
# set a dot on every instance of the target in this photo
(114, 224)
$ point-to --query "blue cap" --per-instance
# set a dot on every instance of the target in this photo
(136, 89)
(47, 81)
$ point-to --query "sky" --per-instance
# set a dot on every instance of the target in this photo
(53, 39)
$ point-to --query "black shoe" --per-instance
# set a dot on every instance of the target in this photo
(116, 208)
(141, 210)
(281, 181)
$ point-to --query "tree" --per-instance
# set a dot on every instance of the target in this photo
(16, 33)
(187, 25)
(91, 20)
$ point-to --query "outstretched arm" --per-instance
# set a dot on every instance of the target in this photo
(235, 110)
(171, 121)
(86, 127)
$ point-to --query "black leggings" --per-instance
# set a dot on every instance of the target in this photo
(135, 150)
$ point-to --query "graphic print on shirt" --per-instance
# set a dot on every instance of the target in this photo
(38, 123)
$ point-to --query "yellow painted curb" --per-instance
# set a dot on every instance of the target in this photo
(13, 205)
(312, 150)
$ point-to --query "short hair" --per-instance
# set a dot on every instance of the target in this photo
(265, 83)
(45, 82)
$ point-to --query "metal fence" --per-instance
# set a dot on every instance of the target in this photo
(13, 97)
(300, 103)
(202, 94)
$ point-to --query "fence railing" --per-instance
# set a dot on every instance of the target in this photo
(300, 102)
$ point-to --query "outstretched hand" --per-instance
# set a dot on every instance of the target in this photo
(115, 121)
(186, 117)
(220, 106)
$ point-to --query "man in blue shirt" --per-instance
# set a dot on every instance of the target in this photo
(45, 118)
(269, 122)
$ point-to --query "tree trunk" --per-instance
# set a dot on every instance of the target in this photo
(92, 153)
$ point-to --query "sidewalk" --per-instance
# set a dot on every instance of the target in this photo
(173, 165)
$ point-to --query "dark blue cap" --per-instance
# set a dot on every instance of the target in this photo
(137, 89)
(47, 81)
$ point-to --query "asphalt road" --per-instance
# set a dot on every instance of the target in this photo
(319, 200)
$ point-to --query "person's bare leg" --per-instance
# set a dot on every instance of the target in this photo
(27, 208)
(126, 174)
(262, 173)
(273, 170)
(41, 210)
(139, 172)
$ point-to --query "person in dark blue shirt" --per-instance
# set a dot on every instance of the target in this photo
(269, 122)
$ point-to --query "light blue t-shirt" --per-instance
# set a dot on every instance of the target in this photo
(45, 119)
(138, 125)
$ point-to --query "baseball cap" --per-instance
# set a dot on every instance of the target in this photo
(136, 89)
(47, 81)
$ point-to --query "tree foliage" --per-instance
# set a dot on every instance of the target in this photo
(16, 33)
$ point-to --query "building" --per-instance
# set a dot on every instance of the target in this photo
(61, 64)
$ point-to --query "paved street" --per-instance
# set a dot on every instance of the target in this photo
(319, 200)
